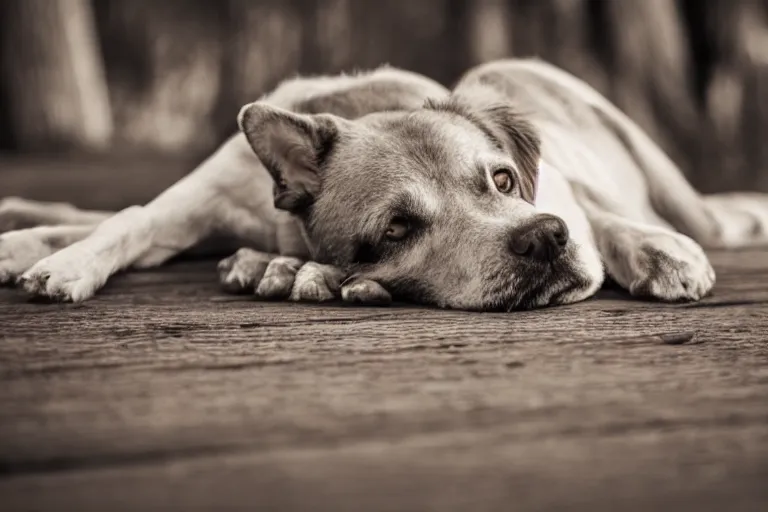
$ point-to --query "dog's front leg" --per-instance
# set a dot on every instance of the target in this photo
(144, 235)
(230, 192)
(649, 261)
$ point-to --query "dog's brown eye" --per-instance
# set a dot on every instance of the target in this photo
(504, 180)
(398, 229)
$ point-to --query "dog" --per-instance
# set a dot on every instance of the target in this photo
(522, 187)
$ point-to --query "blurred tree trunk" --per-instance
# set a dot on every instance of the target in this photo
(561, 32)
(55, 88)
(650, 70)
(736, 93)
(164, 64)
(426, 36)
(327, 36)
(489, 31)
(266, 45)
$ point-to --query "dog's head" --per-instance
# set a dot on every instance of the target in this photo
(436, 204)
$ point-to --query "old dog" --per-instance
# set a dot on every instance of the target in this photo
(522, 187)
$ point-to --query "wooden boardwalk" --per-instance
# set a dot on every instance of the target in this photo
(165, 394)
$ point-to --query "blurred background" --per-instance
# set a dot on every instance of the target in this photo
(136, 91)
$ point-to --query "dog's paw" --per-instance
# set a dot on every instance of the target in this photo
(279, 277)
(70, 275)
(19, 251)
(670, 267)
(243, 271)
(365, 291)
(316, 283)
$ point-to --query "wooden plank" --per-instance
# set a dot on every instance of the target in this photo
(162, 393)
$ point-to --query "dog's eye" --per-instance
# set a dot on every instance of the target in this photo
(398, 229)
(503, 180)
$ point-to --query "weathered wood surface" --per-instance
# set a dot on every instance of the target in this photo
(163, 395)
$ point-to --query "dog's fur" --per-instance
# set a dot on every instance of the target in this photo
(383, 183)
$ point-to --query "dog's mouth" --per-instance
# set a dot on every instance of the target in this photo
(540, 285)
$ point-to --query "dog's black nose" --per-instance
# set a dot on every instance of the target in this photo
(542, 238)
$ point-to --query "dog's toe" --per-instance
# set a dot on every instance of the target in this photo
(241, 272)
(226, 265)
(278, 279)
(275, 287)
(316, 282)
(365, 291)
(311, 291)
(34, 282)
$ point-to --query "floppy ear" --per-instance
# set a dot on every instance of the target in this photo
(505, 127)
(521, 140)
(292, 147)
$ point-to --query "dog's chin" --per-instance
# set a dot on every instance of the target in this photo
(541, 285)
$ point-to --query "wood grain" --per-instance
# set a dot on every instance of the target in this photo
(164, 394)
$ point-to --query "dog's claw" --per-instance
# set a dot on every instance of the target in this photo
(225, 265)
(34, 284)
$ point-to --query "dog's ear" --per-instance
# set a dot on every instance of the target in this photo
(293, 148)
(506, 128)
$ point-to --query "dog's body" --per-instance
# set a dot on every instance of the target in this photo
(458, 203)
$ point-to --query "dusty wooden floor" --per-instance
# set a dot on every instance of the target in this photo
(163, 394)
